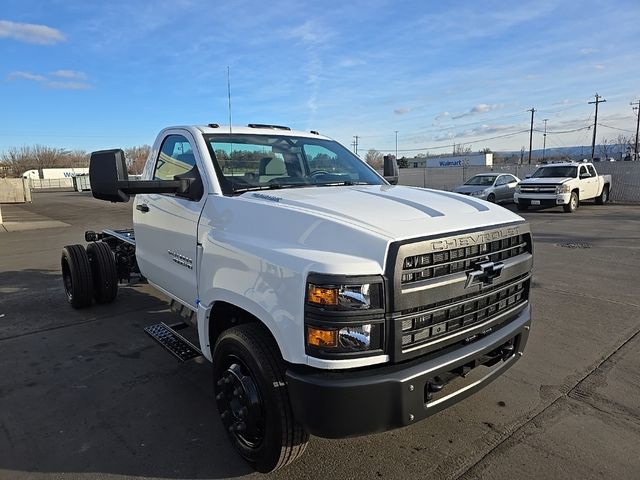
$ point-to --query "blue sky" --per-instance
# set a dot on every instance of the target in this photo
(92, 75)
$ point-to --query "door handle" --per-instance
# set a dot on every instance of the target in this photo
(142, 207)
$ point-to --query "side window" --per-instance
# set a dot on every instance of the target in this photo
(583, 171)
(511, 179)
(502, 180)
(176, 157)
(591, 170)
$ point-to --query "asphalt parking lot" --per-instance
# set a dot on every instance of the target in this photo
(87, 394)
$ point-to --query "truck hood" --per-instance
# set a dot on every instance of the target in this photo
(545, 181)
(394, 212)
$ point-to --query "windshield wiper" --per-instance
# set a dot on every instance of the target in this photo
(341, 183)
(273, 186)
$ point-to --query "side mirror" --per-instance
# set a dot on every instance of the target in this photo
(106, 169)
(390, 170)
(110, 181)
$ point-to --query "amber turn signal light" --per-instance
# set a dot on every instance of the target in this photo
(322, 295)
(317, 337)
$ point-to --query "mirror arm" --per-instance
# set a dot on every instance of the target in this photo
(154, 186)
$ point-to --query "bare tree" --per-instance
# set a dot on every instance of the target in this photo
(605, 148)
(136, 158)
(374, 158)
(460, 149)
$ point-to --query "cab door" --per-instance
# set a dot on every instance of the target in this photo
(166, 225)
(588, 183)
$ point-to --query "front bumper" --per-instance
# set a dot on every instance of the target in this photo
(337, 404)
(549, 200)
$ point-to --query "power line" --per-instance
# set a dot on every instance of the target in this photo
(462, 143)
(615, 128)
(595, 124)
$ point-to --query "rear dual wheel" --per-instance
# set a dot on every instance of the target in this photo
(89, 274)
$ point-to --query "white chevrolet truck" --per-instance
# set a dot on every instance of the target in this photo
(565, 184)
(329, 301)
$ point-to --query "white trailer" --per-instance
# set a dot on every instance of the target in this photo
(55, 173)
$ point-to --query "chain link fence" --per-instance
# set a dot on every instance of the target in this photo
(625, 177)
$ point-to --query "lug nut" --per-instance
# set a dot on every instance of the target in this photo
(242, 413)
(224, 414)
(220, 396)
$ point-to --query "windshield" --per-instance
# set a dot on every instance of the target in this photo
(484, 180)
(557, 172)
(257, 162)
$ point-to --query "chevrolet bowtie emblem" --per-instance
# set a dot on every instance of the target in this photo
(484, 274)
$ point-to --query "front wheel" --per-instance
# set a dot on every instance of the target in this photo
(573, 203)
(253, 399)
(491, 198)
(604, 196)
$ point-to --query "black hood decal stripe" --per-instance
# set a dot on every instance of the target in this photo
(477, 205)
(418, 206)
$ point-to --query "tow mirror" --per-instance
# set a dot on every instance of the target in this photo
(390, 170)
(110, 181)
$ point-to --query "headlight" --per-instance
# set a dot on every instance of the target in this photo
(478, 193)
(564, 188)
(518, 189)
(344, 316)
(345, 297)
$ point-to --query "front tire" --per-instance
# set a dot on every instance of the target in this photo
(253, 399)
(604, 196)
(76, 275)
(491, 198)
(573, 203)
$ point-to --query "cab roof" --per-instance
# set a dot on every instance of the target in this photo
(257, 129)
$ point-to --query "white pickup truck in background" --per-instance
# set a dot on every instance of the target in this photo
(566, 184)
(329, 301)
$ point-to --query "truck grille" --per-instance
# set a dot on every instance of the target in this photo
(533, 188)
(424, 325)
(416, 268)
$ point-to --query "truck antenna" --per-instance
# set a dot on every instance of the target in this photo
(229, 95)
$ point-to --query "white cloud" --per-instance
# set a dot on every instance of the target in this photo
(599, 66)
(27, 76)
(63, 79)
(30, 33)
(311, 33)
(69, 74)
(69, 85)
(402, 110)
(479, 108)
(587, 51)
(351, 62)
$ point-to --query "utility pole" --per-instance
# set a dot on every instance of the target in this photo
(637, 109)
(355, 144)
(532, 110)
(544, 139)
(598, 100)
(396, 145)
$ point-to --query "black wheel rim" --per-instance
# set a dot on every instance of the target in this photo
(68, 282)
(239, 403)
